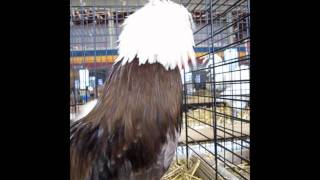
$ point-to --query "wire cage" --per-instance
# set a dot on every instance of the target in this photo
(216, 92)
(94, 29)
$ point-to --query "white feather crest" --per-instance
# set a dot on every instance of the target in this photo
(161, 31)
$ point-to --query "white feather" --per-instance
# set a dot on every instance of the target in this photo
(161, 31)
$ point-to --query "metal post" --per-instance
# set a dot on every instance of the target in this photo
(75, 100)
(95, 48)
(185, 115)
(81, 15)
(111, 26)
(213, 86)
(73, 77)
(86, 94)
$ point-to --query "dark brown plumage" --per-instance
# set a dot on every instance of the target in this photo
(133, 130)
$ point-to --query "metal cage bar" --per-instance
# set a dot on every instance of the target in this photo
(217, 90)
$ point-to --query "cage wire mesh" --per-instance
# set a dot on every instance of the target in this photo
(94, 29)
(216, 92)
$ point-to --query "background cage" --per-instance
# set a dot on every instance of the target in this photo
(217, 92)
(216, 98)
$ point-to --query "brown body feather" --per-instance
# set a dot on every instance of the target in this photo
(132, 132)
